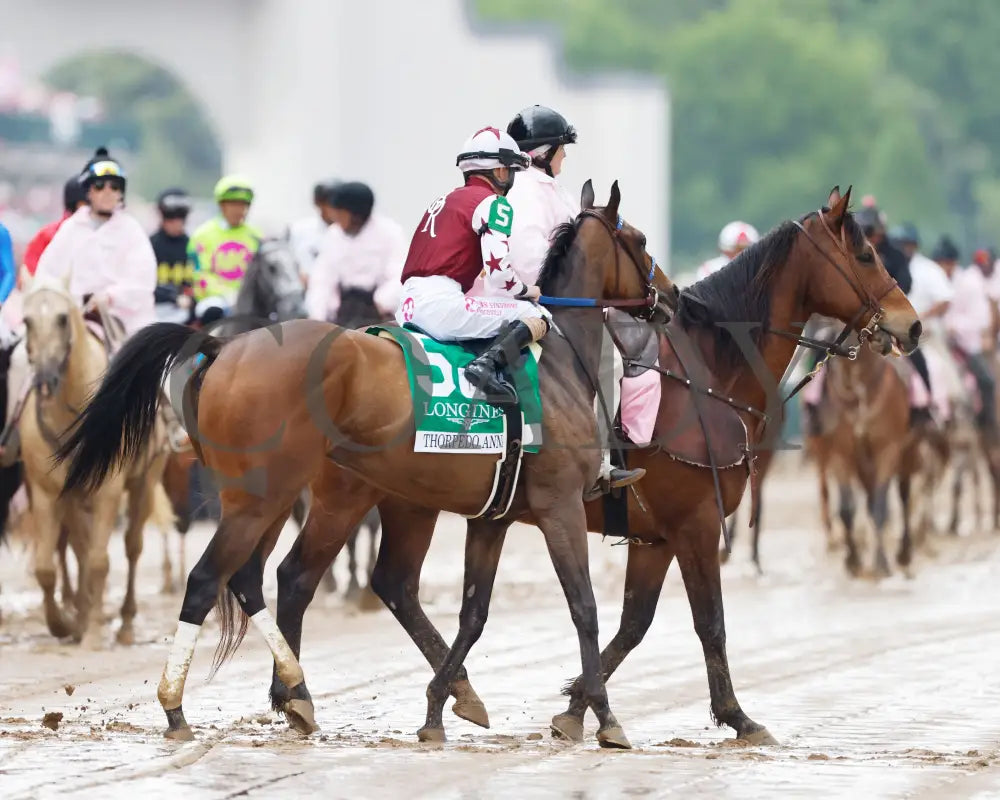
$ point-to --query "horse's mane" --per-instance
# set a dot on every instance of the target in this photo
(560, 242)
(740, 291)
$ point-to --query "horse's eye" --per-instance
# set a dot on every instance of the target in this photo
(62, 320)
(642, 241)
(866, 257)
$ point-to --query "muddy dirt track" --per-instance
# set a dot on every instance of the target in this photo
(887, 689)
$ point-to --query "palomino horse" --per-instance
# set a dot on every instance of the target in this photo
(821, 264)
(67, 362)
(273, 406)
(865, 417)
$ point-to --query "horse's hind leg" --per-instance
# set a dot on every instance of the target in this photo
(140, 504)
(878, 508)
(246, 586)
(644, 575)
(66, 592)
(334, 513)
(244, 523)
(703, 583)
(904, 557)
(406, 536)
(847, 512)
(353, 584)
(483, 544)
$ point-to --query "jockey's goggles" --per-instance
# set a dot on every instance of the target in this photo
(106, 169)
(507, 158)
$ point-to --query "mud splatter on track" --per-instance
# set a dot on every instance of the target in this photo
(886, 689)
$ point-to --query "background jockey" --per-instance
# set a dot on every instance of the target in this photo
(305, 236)
(222, 248)
(355, 278)
(970, 326)
(104, 254)
(540, 206)
(174, 271)
(734, 238)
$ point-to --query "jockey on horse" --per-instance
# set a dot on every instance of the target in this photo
(460, 235)
(106, 260)
(540, 206)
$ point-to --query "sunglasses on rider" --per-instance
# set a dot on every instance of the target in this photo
(115, 183)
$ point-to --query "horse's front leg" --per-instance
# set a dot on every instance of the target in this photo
(564, 523)
(697, 555)
(483, 544)
(644, 574)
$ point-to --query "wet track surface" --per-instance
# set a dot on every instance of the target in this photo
(885, 689)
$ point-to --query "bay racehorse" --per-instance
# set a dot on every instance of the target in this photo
(820, 264)
(865, 427)
(271, 407)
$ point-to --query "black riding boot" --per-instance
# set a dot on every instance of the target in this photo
(486, 372)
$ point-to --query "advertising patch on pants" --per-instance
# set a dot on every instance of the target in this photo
(490, 307)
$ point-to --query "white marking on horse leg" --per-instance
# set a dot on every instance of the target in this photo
(287, 664)
(170, 692)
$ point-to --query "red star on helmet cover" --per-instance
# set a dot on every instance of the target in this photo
(492, 130)
(510, 285)
(743, 238)
(494, 264)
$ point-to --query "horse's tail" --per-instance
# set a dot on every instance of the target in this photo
(120, 417)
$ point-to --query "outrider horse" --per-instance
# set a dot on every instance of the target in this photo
(819, 264)
(271, 407)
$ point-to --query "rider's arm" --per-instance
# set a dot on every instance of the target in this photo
(136, 278)
(8, 272)
(529, 239)
(492, 220)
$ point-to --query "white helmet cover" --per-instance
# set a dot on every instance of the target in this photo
(490, 148)
(736, 236)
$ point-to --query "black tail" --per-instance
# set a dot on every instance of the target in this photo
(120, 417)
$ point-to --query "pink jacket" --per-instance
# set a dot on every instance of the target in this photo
(113, 259)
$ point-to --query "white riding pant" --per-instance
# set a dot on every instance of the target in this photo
(438, 306)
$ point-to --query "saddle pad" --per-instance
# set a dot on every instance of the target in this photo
(449, 419)
(679, 431)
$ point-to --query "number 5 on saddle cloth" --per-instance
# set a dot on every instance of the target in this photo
(450, 418)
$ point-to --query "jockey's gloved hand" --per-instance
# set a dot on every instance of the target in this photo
(531, 293)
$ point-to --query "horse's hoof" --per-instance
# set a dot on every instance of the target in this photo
(92, 640)
(182, 734)
(468, 706)
(759, 738)
(125, 636)
(613, 738)
(566, 726)
(426, 734)
(60, 628)
(299, 714)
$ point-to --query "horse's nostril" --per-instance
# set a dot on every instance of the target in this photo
(915, 330)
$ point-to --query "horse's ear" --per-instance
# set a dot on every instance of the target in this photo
(834, 197)
(587, 195)
(616, 198)
(838, 206)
